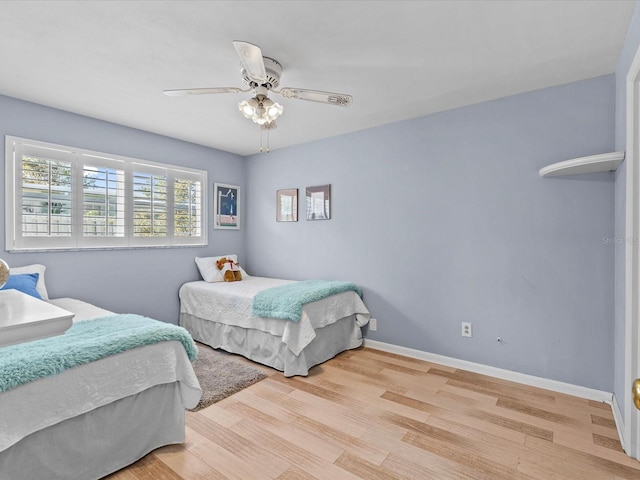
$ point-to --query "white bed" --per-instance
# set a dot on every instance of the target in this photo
(219, 314)
(94, 419)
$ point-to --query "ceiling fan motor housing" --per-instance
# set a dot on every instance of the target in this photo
(273, 70)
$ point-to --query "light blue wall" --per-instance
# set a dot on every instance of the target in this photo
(137, 281)
(631, 45)
(444, 219)
(441, 219)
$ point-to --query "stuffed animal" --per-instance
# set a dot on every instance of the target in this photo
(230, 269)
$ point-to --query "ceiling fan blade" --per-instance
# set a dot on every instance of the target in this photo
(339, 99)
(251, 57)
(202, 91)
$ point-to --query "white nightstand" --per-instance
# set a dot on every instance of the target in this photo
(24, 318)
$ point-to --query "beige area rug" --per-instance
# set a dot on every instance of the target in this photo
(220, 374)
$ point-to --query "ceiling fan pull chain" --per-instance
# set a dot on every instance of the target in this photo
(268, 148)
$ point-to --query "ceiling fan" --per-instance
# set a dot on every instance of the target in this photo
(262, 74)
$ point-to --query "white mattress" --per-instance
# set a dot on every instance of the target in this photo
(82, 310)
(50, 400)
(230, 303)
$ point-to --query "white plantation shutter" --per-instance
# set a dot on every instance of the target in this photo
(44, 196)
(63, 198)
(103, 201)
(149, 205)
(187, 207)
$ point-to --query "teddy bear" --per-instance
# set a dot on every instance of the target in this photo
(230, 269)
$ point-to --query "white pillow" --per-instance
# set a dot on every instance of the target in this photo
(35, 268)
(209, 269)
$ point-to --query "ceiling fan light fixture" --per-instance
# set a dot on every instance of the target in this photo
(260, 109)
(248, 107)
(274, 111)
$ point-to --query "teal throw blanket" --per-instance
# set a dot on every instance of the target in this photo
(286, 301)
(85, 342)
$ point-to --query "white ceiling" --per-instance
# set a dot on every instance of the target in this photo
(399, 59)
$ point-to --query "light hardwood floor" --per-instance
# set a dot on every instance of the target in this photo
(368, 414)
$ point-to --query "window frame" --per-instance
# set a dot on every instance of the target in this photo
(17, 147)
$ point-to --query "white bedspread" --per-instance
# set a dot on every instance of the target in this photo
(50, 400)
(230, 303)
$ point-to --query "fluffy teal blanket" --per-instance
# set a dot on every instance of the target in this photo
(85, 342)
(286, 301)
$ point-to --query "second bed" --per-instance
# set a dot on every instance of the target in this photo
(220, 315)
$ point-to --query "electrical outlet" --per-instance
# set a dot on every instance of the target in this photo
(466, 329)
(373, 324)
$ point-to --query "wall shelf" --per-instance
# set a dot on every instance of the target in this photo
(605, 162)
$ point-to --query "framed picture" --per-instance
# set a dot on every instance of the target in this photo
(287, 205)
(226, 206)
(319, 202)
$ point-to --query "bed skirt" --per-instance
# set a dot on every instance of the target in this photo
(270, 350)
(95, 444)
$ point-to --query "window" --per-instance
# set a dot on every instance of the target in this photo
(65, 198)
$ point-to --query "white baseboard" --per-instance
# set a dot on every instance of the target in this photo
(554, 385)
